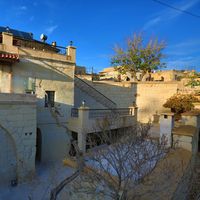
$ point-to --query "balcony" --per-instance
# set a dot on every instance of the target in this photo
(102, 113)
(85, 120)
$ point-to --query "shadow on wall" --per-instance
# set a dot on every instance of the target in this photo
(55, 135)
(8, 158)
(43, 70)
(123, 94)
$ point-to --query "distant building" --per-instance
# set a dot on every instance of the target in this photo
(166, 75)
(80, 70)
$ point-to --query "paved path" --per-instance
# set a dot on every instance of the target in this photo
(47, 177)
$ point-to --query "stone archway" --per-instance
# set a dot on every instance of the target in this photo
(8, 158)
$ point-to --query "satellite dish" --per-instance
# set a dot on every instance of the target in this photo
(43, 37)
(7, 29)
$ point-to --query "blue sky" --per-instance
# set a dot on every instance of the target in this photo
(95, 26)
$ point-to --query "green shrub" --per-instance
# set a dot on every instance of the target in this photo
(180, 103)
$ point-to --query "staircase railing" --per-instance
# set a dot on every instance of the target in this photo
(91, 91)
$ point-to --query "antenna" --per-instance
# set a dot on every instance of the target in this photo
(71, 43)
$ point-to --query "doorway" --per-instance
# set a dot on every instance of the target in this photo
(38, 145)
(199, 142)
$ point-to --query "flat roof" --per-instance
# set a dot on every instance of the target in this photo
(185, 130)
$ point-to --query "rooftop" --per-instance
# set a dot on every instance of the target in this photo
(16, 33)
(185, 130)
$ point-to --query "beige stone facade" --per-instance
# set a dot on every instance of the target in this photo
(17, 137)
(167, 75)
(39, 70)
(163, 75)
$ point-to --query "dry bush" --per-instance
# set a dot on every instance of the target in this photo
(180, 103)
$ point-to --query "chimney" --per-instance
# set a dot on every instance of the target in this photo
(7, 38)
(71, 51)
(166, 126)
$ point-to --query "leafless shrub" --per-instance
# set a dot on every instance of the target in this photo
(115, 168)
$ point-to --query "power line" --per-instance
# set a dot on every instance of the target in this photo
(177, 9)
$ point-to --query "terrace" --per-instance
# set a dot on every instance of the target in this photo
(10, 43)
(85, 120)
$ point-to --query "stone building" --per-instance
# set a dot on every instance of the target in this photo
(41, 104)
(35, 77)
(44, 105)
(163, 75)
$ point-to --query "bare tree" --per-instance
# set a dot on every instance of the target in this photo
(115, 168)
(119, 163)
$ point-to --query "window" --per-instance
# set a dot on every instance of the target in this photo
(49, 98)
(30, 85)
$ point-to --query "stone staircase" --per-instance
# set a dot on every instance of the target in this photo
(91, 91)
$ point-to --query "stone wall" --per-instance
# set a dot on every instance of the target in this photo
(49, 76)
(151, 96)
(80, 95)
(38, 71)
(36, 75)
(122, 93)
(5, 78)
(17, 137)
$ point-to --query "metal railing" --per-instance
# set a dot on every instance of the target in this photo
(37, 45)
(93, 92)
(74, 112)
(101, 113)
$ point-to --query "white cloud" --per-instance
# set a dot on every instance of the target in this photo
(183, 48)
(183, 62)
(151, 23)
(169, 14)
(31, 18)
(23, 8)
(51, 29)
(188, 43)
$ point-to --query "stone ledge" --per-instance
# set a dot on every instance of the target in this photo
(185, 130)
(12, 98)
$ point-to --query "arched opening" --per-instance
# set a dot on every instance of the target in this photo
(8, 161)
(72, 151)
(38, 145)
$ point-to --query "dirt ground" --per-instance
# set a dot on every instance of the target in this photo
(164, 179)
